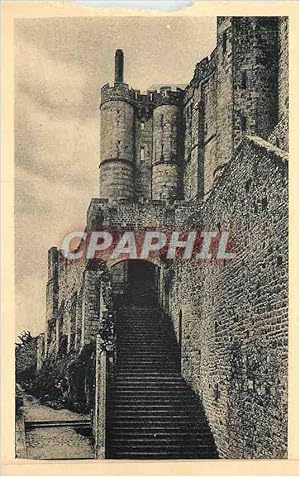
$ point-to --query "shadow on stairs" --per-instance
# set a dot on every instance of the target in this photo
(152, 412)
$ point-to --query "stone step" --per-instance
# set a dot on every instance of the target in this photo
(147, 357)
(187, 438)
(159, 455)
(144, 376)
(154, 384)
(154, 395)
(152, 430)
(152, 366)
(146, 360)
(128, 344)
(167, 421)
(169, 405)
(151, 411)
(143, 358)
(171, 446)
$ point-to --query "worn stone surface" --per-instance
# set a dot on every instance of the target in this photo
(235, 314)
(280, 135)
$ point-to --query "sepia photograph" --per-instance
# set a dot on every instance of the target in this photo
(151, 237)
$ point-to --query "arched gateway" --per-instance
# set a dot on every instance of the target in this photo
(136, 281)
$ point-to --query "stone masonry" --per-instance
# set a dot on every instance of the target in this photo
(211, 156)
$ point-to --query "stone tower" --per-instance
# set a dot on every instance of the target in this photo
(141, 141)
(247, 80)
(117, 137)
(167, 150)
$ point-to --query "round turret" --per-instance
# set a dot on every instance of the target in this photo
(166, 147)
(117, 138)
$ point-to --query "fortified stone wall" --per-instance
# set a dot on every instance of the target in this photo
(77, 289)
(224, 76)
(235, 314)
(283, 73)
(82, 294)
(280, 135)
(200, 129)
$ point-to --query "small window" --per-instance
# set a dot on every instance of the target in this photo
(243, 123)
(161, 119)
(244, 79)
(224, 41)
(142, 125)
(142, 154)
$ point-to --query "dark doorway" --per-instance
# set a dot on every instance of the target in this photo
(136, 281)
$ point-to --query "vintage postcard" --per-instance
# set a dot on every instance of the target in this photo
(149, 172)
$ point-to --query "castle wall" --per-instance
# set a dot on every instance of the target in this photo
(235, 315)
(209, 98)
(224, 78)
(51, 299)
(200, 129)
(283, 67)
(77, 321)
(193, 154)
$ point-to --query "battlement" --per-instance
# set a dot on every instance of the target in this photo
(202, 71)
(122, 92)
(117, 92)
(167, 95)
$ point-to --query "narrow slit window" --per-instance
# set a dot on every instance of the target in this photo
(142, 154)
(142, 125)
(224, 41)
(244, 123)
(244, 79)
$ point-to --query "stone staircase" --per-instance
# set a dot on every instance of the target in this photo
(152, 412)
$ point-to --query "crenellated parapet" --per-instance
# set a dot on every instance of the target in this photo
(203, 70)
(122, 92)
(117, 92)
(167, 96)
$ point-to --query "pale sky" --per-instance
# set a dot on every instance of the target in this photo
(60, 65)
